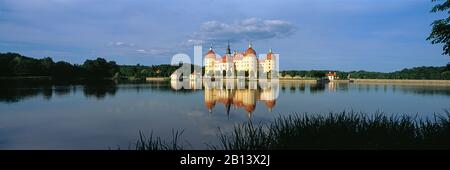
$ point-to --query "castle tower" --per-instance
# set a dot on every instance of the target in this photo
(227, 64)
(209, 62)
(250, 62)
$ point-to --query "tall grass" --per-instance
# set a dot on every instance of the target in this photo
(331, 131)
(156, 143)
(340, 131)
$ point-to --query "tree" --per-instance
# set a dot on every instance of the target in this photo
(440, 33)
(100, 68)
(65, 70)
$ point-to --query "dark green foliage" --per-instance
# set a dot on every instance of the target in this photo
(422, 73)
(440, 33)
(13, 65)
(100, 68)
(140, 71)
(425, 73)
(304, 73)
(62, 70)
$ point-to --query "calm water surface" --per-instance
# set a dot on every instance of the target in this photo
(37, 115)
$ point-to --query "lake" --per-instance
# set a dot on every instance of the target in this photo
(102, 115)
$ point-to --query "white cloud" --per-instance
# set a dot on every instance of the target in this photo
(243, 30)
(121, 44)
(154, 52)
(194, 42)
(141, 51)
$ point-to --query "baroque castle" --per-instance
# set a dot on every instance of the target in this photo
(238, 65)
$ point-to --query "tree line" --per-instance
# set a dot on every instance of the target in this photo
(16, 65)
(141, 71)
(424, 73)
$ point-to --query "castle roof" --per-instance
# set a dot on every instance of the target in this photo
(331, 74)
(210, 104)
(249, 108)
(210, 53)
(270, 104)
(269, 55)
(249, 50)
(225, 58)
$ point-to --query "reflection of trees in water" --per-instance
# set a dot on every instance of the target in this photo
(292, 88)
(342, 86)
(12, 91)
(434, 90)
(100, 90)
(62, 90)
(405, 89)
(302, 87)
(16, 95)
(295, 87)
(16, 90)
(47, 92)
(317, 87)
(283, 87)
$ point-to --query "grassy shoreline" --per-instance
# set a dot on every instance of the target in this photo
(339, 131)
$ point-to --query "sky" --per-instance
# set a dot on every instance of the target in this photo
(373, 35)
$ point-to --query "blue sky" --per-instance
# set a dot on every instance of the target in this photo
(375, 35)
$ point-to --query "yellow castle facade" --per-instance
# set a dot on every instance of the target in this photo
(238, 65)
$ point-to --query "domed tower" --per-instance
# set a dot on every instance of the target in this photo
(269, 62)
(210, 58)
(250, 61)
(269, 54)
(250, 52)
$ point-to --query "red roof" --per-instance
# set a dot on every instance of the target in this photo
(249, 108)
(269, 56)
(331, 74)
(210, 104)
(210, 54)
(249, 51)
(270, 103)
(224, 59)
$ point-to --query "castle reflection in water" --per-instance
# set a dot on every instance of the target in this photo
(234, 93)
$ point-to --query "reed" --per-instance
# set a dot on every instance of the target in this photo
(344, 130)
(156, 143)
(340, 131)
